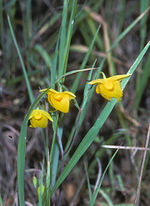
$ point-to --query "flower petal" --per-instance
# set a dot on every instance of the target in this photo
(39, 118)
(46, 114)
(42, 123)
(110, 87)
(97, 81)
(115, 93)
(98, 91)
(60, 100)
(119, 77)
(53, 91)
(62, 105)
(108, 84)
(70, 95)
(43, 90)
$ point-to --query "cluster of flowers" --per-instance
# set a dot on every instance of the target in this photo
(107, 87)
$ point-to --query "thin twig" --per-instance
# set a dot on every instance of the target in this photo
(99, 173)
(142, 168)
(74, 72)
(124, 147)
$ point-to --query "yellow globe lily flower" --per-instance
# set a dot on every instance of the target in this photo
(109, 87)
(59, 100)
(39, 118)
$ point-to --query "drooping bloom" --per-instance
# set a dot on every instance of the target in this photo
(39, 118)
(110, 87)
(59, 100)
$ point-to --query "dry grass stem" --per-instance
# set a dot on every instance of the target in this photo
(124, 147)
(128, 117)
(101, 20)
(142, 168)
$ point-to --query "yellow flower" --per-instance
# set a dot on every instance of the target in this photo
(109, 87)
(59, 100)
(39, 118)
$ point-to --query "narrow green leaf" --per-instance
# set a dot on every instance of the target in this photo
(143, 82)
(42, 26)
(44, 55)
(69, 33)
(22, 150)
(121, 16)
(76, 82)
(28, 19)
(54, 66)
(21, 61)
(54, 165)
(1, 201)
(135, 64)
(107, 198)
(62, 39)
(92, 26)
(40, 186)
(122, 35)
(120, 182)
(143, 28)
(88, 181)
(143, 6)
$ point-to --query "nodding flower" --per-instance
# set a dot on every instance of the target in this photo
(109, 87)
(59, 100)
(39, 118)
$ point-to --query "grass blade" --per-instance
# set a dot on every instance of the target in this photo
(107, 198)
(41, 185)
(70, 28)
(128, 28)
(143, 7)
(54, 66)
(143, 82)
(22, 149)
(62, 39)
(1, 201)
(21, 61)
(44, 55)
(76, 82)
(88, 182)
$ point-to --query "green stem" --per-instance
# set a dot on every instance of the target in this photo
(104, 76)
(52, 150)
(1, 201)
(54, 137)
(21, 61)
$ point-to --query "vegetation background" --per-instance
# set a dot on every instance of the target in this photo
(97, 25)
